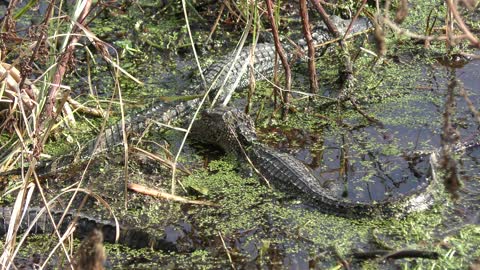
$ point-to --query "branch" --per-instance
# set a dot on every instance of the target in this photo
(311, 48)
(283, 58)
(395, 255)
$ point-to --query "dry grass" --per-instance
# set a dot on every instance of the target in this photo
(32, 109)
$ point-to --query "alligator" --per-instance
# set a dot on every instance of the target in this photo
(234, 131)
(37, 221)
(223, 77)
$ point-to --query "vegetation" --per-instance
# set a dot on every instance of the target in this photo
(69, 70)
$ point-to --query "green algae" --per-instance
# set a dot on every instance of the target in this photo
(302, 229)
(270, 226)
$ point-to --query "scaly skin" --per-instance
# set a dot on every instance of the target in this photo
(222, 77)
(234, 131)
(218, 77)
(132, 237)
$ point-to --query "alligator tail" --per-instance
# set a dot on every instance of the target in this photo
(39, 221)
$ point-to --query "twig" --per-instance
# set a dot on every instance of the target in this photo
(226, 250)
(347, 73)
(164, 195)
(41, 38)
(283, 58)
(395, 255)
(323, 14)
(402, 11)
(341, 259)
(449, 138)
(469, 102)
(240, 15)
(453, 9)
(252, 84)
(354, 19)
(45, 124)
(364, 114)
(50, 216)
(334, 40)
(408, 33)
(214, 27)
(338, 121)
(311, 49)
(84, 109)
(163, 161)
(49, 113)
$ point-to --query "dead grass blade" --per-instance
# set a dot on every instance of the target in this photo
(209, 88)
(6, 256)
(161, 160)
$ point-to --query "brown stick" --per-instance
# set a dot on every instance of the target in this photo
(429, 38)
(311, 48)
(394, 255)
(164, 195)
(344, 262)
(354, 18)
(97, 112)
(469, 102)
(49, 113)
(449, 138)
(215, 24)
(166, 162)
(323, 14)
(370, 118)
(347, 73)
(473, 40)
(402, 11)
(283, 58)
(41, 39)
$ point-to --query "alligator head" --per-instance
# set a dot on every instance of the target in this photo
(229, 128)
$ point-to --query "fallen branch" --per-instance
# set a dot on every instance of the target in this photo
(311, 49)
(164, 195)
(395, 255)
(370, 118)
(86, 110)
(167, 162)
(461, 24)
(283, 58)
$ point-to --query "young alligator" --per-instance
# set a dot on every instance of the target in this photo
(222, 77)
(129, 236)
(234, 131)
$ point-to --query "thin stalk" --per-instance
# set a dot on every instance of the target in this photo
(311, 49)
(187, 23)
(251, 88)
(283, 58)
(205, 96)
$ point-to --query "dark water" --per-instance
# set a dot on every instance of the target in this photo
(366, 163)
(372, 162)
